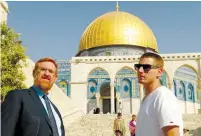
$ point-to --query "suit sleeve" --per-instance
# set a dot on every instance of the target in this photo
(62, 128)
(62, 124)
(10, 110)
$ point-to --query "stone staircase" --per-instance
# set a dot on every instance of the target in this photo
(193, 123)
(102, 124)
(78, 124)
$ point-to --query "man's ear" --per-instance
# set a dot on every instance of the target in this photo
(56, 78)
(160, 72)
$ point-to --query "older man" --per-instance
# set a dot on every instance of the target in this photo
(29, 112)
(119, 126)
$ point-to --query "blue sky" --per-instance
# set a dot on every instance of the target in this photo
(54, 29)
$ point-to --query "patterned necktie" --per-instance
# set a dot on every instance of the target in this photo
(51, 116)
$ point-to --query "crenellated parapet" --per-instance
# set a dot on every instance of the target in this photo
(129, 59)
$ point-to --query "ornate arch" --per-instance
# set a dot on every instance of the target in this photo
(130, 75)
(126, 67)
(96, 78)
(191, 67)
(187, 75)
(98, 71)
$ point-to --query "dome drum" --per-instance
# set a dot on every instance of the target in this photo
(117, 50)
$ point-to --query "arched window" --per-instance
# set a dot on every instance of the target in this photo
(190, 92)
(64, 86)
(92, 87)
(181, 91)
(126, 89)
(95, 79)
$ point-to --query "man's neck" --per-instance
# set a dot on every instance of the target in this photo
(44, 92)
(151, 87)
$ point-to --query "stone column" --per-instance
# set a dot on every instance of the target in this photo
(141, 92)
(199, 80)
(171, 85)
(117, 102)
(112, 97)
(199, 66)
(98, 99)
(199, 92)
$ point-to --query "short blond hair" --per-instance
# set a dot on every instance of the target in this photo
(158, 59)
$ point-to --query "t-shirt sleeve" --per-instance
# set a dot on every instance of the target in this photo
(168, 110)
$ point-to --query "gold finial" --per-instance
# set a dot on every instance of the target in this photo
(117, 6)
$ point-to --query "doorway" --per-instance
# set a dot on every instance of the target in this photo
(106, 97)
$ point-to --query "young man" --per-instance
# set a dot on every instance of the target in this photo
(29, 112)
(159, 113)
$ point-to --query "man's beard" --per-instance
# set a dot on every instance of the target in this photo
(45, 84)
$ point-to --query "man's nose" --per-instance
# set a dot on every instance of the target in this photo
(46, 72)
(141, 69)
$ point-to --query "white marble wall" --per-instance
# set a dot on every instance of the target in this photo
(79, 96)
(136, 105)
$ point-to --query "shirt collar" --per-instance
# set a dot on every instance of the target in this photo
(39, 92)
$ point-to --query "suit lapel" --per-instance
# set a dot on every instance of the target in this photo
(35, 97)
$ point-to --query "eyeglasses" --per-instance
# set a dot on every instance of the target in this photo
(45, 69)
(146, 67)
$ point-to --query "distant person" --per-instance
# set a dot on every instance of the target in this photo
(96, 111)
(119, 126)
(120, 107)
(185, 130)
(159, 113)
(132, 125)
(29, 112)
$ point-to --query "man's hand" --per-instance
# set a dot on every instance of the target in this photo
(171, 131)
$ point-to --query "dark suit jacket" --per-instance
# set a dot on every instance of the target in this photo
(23, 114)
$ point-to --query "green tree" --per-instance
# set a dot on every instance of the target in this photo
(12, 60)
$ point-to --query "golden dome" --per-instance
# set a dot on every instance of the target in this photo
(117, 28)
